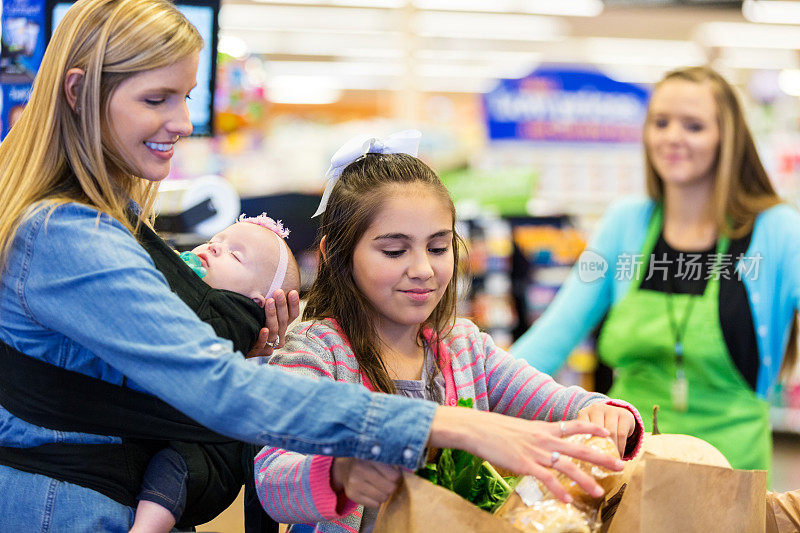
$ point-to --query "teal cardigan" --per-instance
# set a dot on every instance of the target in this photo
(772, 285)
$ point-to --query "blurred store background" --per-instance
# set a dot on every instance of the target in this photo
(531, 112)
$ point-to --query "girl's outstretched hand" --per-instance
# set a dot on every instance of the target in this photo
(619, 422)
(280, 310)
(526, 447)
(365, 482)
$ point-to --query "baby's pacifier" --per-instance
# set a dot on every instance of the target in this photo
(193, 262)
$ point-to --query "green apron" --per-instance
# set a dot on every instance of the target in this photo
(638, 342)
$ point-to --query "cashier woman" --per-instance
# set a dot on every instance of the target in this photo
(702, 282)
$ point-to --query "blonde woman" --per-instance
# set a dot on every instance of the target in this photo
(79, 296)
(703, 278)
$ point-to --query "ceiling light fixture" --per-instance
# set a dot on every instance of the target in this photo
(569, 8)
(748, 35)
(771, 11)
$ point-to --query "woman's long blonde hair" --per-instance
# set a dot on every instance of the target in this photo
(742, 188)
(56, 154)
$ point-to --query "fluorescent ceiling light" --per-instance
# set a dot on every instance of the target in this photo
(488, 70)
(641, 74)
(472, 56)
(387, 45)
(284, 94)
(302, 90)
(385, 76)
(488, 26)
(659, 52)
(299, 18)
(397, 69)
(336, 3)
(574, 8)
(335, 69)
(771, 11)
(748, 35)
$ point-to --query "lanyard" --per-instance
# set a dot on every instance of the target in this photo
(678, 330)
(680, 387)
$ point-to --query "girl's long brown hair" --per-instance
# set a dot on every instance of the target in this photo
(742, 188)
(355, 200)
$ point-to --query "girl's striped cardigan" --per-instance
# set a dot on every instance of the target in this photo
(297, 488)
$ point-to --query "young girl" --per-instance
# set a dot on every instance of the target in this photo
(381, 313)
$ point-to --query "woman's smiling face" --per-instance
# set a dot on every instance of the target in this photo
(682, 134)
(147, 114)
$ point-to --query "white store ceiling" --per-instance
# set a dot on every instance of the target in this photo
(464, 45)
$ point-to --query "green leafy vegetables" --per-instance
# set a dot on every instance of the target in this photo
(469, 476)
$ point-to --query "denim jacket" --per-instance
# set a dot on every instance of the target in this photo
(79, 292)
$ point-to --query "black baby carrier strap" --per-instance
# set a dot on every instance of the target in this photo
(60, 399)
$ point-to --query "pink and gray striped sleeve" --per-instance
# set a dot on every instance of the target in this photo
(517, 389)
(292, 487)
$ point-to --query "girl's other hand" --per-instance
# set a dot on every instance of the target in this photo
(619, 422)
(365, 482)
(281, 310)
(526, 447)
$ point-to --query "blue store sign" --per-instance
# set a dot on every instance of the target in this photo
(23, 40)
(566, 105)
(23, 43)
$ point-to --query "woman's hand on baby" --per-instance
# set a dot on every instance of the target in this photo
(526, 447)
(619, 422)
(365, 482)
(280, 310)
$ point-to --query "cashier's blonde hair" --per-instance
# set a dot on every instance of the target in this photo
(54, 154)
(742, 188)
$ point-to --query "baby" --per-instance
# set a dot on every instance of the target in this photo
(251, 258)
(243, 258)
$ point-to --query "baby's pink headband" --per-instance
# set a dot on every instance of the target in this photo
(277, 228)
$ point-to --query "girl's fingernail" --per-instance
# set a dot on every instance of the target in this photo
(598, 492)
(619, 464)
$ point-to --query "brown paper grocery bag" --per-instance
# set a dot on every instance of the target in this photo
(783, 512)
(419, 506)
(665, 496)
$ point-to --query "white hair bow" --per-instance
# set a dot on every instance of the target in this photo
(402, 142)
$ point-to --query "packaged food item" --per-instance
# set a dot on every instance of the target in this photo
(552, 516)
(533, 508)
